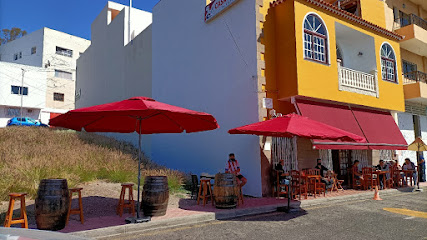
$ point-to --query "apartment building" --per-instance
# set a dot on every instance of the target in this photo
(57, 53)
(32, 94)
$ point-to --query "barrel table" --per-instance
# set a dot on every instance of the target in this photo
(52, 204)
(155, 196)
(225, 190)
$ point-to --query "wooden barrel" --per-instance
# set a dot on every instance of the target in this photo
(225, 190)
(52, 204)
(155, 196)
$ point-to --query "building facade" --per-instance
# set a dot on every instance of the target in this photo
(409, 18)
(114, 68)
(33, 91)
(57, 53)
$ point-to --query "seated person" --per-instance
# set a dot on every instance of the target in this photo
(357, 174)
(283, 174)
(383, 167)
(408, 165)
(232, 166)
(326, 180)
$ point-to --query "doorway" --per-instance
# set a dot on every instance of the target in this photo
(341, 160)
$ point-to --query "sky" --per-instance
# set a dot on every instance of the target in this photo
(69, 16)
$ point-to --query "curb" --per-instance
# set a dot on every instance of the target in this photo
(109, 232)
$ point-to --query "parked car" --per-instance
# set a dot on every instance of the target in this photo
(25, 121)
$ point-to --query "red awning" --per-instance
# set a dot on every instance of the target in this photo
(379, 128)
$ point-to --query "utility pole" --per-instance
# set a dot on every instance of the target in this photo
(21, 91)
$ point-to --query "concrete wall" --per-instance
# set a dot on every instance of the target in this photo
(34, 80)
(210, 67)
(24, 45)
(112, 69)
(406, 126)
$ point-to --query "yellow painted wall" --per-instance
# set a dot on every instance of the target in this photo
(320, 80)
(373, 11)
(279, 38)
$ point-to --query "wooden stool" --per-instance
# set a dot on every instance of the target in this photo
(76, 210)
(130, 204)
(203, 191)
(23, 219)
(240, 196)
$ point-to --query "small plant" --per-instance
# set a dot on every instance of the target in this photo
(28, 155)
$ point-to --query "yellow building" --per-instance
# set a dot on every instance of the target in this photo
(335, 62)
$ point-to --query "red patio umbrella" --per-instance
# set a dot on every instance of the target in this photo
(293, 125)
(138, 114)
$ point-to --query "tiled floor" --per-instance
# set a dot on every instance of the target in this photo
(186, 207)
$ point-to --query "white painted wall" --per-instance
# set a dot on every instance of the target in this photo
(351, 42)
(406, 125)
(24, 45)
(34, 79)
(210, 68)
(112, 69)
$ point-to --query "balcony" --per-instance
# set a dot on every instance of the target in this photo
(415, 87)
(351, 80)
(414, 29)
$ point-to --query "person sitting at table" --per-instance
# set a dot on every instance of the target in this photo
(280, 167)
(408, 165)
(322, 168)
(232, 166)
(382, 167)
(326, 180)
(357, 174)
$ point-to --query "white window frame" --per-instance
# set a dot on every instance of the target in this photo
(396, 74)
(327, 45)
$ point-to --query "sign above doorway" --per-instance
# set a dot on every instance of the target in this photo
(216, 7)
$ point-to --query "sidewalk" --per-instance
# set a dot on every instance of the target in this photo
(189, 213)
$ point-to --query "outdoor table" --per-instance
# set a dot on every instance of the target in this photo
(407, 173)
(315, 177)
(381, 172)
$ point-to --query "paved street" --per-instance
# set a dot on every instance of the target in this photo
(359, 219)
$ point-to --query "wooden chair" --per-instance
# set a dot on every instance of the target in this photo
(279, 188)
(205, 191)
(9, 220)
(356, 183)
(337, 185)
(395, 175)
(313, 171)
(122, 204)
(315, 186)
(299, 186)
(368, 178)
(78, 210)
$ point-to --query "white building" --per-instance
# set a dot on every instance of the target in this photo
(222, 73)
(55, 51)
(112, 68)
(33, 89)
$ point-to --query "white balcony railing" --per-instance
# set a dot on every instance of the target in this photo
(358, 82)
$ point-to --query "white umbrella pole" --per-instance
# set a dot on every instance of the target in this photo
(139, 169)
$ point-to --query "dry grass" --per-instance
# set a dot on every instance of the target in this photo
(28, 155)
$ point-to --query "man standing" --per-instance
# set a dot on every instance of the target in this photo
(232, 166)
(422, 169)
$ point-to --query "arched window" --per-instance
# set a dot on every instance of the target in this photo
(388, 63)
(315, 39)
